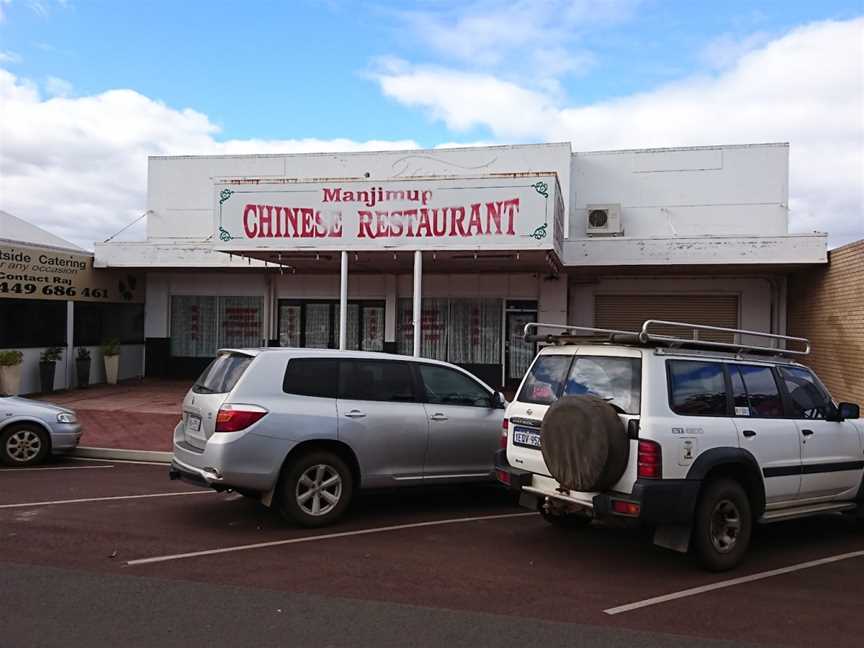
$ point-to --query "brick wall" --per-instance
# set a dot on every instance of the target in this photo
(826, 305)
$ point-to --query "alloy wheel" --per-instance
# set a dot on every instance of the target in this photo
(319, 489)
(23, 445)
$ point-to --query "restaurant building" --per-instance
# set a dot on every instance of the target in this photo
(447, 253)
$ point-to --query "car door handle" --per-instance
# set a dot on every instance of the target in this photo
(749, 433)
(355, 414)
(438, 416)
(806, 432)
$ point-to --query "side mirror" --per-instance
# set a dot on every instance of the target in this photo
(848, 411)
(498, 401)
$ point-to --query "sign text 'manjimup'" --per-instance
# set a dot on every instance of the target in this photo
(475, 219)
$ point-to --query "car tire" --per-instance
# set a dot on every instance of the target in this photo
(24, 444)
(567, 520)
(723, 525)
(316, 489)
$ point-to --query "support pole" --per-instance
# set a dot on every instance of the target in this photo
(418, 289)
(343, 302)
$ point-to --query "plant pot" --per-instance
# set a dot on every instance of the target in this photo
(46, 376)
(112, 364)
(82, 369)
(10, 380)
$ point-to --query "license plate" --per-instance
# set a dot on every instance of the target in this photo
(193, 423)
(526, 437)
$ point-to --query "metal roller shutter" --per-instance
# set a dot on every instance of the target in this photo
(628, 312)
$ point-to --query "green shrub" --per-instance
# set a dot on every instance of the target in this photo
(111, 347)
(51, 354)
(10, 358)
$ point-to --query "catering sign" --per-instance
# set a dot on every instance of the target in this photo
(41, 273)
(513, 211)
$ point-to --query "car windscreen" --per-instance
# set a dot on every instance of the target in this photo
(614, 379)
(222, 374)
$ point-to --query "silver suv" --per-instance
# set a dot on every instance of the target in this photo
(302, 429)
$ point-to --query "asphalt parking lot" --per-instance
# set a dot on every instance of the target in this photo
(108, 552)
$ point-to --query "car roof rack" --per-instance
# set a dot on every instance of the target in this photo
(766, 343)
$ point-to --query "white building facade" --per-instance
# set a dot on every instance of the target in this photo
(447, 253)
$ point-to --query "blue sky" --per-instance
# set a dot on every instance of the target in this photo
(219, 76)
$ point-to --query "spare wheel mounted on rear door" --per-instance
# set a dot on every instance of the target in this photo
(584, 443)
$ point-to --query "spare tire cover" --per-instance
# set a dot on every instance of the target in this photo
(584, 443)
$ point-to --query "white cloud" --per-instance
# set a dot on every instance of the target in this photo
(3, 5)
(77, 166)
(57, 87)
(806, 87)
(540, 38)
(7, 56)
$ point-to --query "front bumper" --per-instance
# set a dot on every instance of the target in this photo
(659, 502)
(65, 436)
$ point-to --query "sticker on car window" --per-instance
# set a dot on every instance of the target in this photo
(742, 411)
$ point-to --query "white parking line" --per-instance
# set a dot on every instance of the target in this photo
(326, 536)
(693, 591)
(52, 468)
(103, 499)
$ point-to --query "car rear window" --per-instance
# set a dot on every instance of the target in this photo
(545, 379)
(222, 374)
(312, 377)
(614, 379)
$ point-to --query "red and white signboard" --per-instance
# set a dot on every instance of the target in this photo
(495, 212)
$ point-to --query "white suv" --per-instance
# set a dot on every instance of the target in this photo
(696, 439)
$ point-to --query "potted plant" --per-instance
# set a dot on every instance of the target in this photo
(47, 365)
(111, 355)
(10, 372)
(82, 366)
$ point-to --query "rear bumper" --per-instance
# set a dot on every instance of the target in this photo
(661, 502)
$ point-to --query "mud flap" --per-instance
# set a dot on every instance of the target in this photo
(267, 498)
(674, 537)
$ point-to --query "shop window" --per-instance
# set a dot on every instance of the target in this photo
(462, 331)
(200, 325)
(27, 323)
(97, 322)
(315, 324)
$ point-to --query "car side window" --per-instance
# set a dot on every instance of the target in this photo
(755, 392)
(697, 388)
(376, 380)
(808, 398)
(448, 387)
(311, 377)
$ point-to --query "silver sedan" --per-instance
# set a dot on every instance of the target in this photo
(31, 430)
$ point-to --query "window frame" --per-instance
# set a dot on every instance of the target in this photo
(424, 396)
(333, 340)
(415, 387)
(727, 382)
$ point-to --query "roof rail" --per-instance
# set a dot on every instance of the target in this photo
(570, 334)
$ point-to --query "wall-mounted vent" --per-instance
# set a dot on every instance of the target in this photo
(603, 220)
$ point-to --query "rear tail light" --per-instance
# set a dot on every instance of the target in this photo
(504, 425)
(233, 418)
(622, 507)
(503, 476)
(650, 460)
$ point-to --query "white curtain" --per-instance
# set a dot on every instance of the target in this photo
(193, 326)
(289, 325)
(240, 322)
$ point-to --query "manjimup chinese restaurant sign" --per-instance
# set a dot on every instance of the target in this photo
(493, 212)
(41, 273)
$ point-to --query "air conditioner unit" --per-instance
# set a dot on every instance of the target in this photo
(603, 220)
